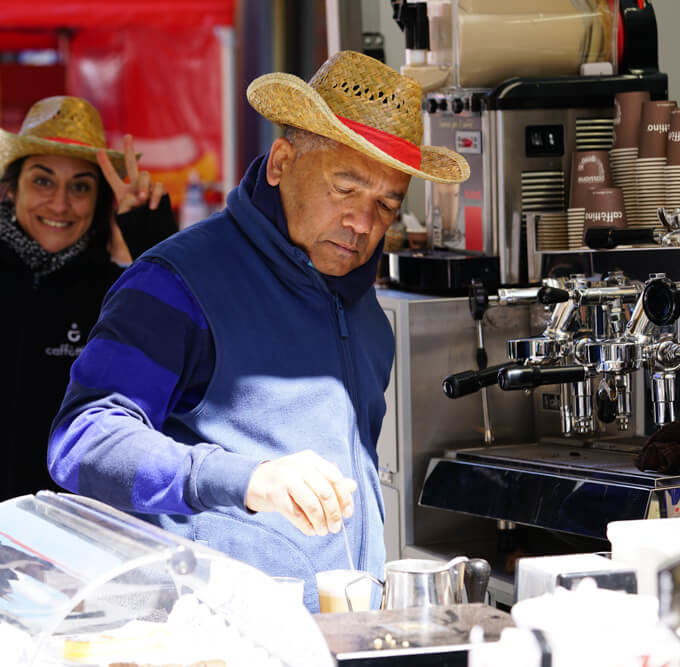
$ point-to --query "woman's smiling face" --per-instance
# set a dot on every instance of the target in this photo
(55, 199)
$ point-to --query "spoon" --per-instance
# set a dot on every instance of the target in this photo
(347, 549)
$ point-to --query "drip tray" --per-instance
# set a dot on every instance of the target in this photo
(570, 486)
(597, 461)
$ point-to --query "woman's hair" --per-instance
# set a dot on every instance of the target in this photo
(102, 211)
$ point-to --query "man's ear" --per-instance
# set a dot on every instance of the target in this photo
(281, 157)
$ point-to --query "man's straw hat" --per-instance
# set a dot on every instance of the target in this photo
(61, 125)
(364, 104)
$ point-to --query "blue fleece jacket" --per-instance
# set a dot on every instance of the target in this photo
(223, 347)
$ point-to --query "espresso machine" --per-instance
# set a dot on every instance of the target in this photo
(561, 363)
(601, 339)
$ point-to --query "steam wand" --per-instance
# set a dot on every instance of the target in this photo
(479, 302)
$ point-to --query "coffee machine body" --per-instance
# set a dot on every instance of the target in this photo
(518, 138)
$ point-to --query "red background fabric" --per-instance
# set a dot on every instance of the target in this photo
(151, 67)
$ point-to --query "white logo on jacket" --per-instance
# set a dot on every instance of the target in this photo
(73, 335)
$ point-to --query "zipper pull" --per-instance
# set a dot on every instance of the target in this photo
(339, 309)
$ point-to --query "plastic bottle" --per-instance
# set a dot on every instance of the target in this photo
(194, 207)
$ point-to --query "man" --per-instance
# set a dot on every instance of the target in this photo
(233, 386)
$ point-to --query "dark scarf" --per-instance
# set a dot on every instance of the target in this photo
(31, 253)
(267, 199)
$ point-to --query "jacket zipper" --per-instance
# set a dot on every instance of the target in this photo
(344, 335)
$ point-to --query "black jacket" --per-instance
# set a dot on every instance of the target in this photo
(45, 328)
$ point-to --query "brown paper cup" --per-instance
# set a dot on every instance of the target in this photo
(627, 112)
(589, 169)
(673, 139)
(604, 208)
(654, 125)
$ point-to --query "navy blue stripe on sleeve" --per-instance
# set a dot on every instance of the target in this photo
(150, 291)
(110, 366)
(123, 387)
(158, 279)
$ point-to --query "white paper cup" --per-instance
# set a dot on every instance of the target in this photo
(332, 586)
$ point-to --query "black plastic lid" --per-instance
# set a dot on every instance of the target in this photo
(412, 19)
(571, 91)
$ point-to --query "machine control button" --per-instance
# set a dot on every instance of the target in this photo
(457, 105)
(544, 140)
(432, 105)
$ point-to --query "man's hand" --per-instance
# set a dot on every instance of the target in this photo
(308, 490)
(140, 190)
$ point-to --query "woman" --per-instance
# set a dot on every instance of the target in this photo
(60, 251)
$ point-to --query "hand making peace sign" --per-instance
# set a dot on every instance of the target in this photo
(140, 190)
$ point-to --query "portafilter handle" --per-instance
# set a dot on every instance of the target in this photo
(476, 577)
(469, 382)
(528, 377)
(549, 296)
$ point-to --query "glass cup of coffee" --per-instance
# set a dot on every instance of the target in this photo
(338, 587)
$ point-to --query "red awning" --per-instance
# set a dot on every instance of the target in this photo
(114, 13)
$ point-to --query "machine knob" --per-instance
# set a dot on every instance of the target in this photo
(476, 577)
(661, 301)
(432, 105)
(443, 104)
(457, 105)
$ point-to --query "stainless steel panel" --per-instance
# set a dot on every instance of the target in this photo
(436, 337)
(388, 441)
(391, 529)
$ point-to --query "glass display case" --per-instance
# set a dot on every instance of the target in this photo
(83, 583)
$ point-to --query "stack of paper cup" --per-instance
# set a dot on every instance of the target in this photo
(604, 208)
(575, 221)
(594, 134)
(624, 151)
(551, 233)
(672, 169)
(589, 169)
(649, 166)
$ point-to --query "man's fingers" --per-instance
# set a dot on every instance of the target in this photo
(298, 518)
(309, 491)
(309, 502)
(110, 174)
(130, 159)
(344, 486)
(344, 490)
(330, 503)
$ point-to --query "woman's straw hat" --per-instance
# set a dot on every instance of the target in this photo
(61, 125)
(362, 103)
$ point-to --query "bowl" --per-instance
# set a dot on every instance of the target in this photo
(417, 240)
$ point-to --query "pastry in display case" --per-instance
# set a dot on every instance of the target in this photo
(82, 583)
